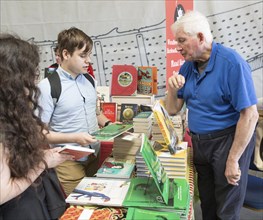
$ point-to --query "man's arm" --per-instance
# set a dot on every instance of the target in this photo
(172, 103)
(244, 131)
(81, 138)
(102, 119)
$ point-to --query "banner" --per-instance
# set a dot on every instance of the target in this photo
(174, 10)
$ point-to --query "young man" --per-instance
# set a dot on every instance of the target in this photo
(74, 116)
(216, 84)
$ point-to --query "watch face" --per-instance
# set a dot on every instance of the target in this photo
(128, 113)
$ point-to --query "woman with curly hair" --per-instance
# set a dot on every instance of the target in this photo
(25, 156)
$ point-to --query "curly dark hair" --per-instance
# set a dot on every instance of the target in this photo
(20, 127)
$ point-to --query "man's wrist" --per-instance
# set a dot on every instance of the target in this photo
(107, 123)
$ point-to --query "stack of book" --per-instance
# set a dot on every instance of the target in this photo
(156, 195)
(112, 168)
(142, 123)
(176, 164)
(126, 146)
(156, 131)
(178, 125)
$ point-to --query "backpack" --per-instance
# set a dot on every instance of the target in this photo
(55, 85)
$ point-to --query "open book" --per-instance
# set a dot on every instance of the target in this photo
(111, 131)
(77, 151)
(166, 126)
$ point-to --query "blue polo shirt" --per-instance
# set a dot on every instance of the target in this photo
(75, 110)
(216, 97)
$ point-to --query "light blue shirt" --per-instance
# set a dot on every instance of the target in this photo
(75, 110)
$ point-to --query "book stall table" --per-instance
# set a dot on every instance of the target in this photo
(176, 208)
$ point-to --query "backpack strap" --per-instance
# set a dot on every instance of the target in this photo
(90, 78)
(55, 86)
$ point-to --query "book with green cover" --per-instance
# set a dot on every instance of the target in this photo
(137, 213)
(111, 131)
(155, 167)
(115, 169)
(143, 192)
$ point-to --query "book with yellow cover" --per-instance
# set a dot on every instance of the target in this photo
(166, 126)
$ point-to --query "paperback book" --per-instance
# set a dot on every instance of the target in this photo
(115, 169)
(111, 131)
(76, 151)
(99, 191)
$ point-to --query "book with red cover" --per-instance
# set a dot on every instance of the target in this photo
(124, 80)
(109, 109)
(147, 80)
(77, 151)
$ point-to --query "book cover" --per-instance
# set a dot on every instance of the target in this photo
(155, 167)
(77, 151)
(143, 192)
(124, 80)
(115, 169)
(109, 109)
(75, 212)
(128, 112)
(166, 126)
(147, 80)
(139, 213)
(111, 131)
(99, 191)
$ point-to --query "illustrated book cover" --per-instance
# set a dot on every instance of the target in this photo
(76, 151)
(99, 191)
(166, 126)
(128, 112)
(77, 212)
(147, 80)
(111, 131)
(155, 167)
(109, 109)
(124, 80)
(115, 169)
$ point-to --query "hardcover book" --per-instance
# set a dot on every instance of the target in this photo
(128, 112)
(166, 126)
(111, 131)
(99, 191)
(76, 151)
(147, 80)
(115, 169)
(109, 109)
(124, 80)
(143, 117)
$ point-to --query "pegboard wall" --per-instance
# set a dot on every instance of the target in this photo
(240, 29)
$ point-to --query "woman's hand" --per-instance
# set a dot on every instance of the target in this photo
(53, 158)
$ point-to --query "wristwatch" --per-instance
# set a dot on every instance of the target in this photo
(107, 123)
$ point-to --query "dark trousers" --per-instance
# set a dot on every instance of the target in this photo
(220, 200)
